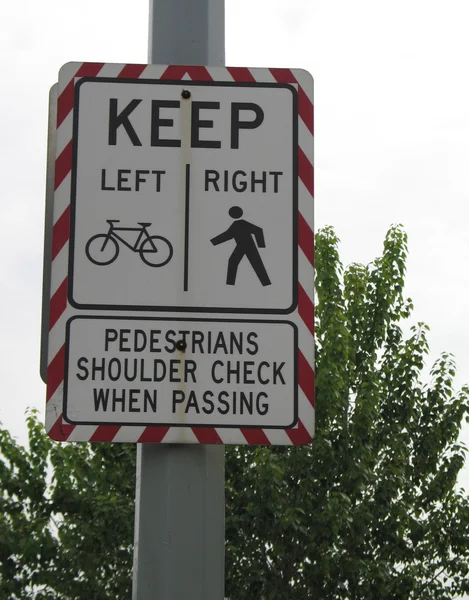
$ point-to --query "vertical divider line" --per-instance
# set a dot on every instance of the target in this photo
(186, 228)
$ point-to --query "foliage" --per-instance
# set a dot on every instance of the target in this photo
(66, 518)
(370, 510)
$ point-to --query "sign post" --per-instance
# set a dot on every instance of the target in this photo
(179, 548)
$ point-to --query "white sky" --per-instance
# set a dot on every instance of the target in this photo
(391, 146)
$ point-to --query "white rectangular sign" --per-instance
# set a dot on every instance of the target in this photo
(184, 196)
(180, 372)
(182, 262)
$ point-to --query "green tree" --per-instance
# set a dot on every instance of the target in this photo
(66, 518)
(370, 510)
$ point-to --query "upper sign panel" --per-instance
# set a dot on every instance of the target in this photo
(184, 196)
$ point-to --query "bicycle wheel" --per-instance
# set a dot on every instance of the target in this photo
(102, 249)
(156, 251)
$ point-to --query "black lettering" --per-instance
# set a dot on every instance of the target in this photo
(220, 343)
(139, 179)
(103, 181)
(192, 403)
(184, 333)
(226, 405)
(197, 339)
(127, 375)
(251, 339)
(276, 175)
(133, 400)
(115, 121)
(157, 122)
(121, 179)
(259, 373)
(142, 371)
(262, 181)
(197, 123)
(245, 402)
(155, 340)
(80, 364)
(235, 371)
(207, 400)
(214, 378)
(190, 367)
(178, 398)
(159, 363)
(235, 341)
(211, 177)
(110, 335)
(149, 400)
(263, 408)
(169, 337)
(237, 124)
(174, 375)
(277, 374)
(158, 179)
(116, 399)
(114, 374)
(95, 368)
(140, 340)
(239, 186)
(101, 398)
(247, 371)
(209, 340)
(124, 335)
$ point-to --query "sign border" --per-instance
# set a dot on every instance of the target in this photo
(176, 308)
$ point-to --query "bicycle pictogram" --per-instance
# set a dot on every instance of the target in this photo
(103, 248)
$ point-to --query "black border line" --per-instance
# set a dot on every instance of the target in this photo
(186, 228)
(193, 309)
(183, 320)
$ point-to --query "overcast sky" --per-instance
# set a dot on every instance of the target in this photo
(391, 146)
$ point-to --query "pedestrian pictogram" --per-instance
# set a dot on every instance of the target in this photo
(103, 248)
(248, 239)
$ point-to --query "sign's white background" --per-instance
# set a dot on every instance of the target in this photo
(392, 141)
(264, 371)
(268, 148)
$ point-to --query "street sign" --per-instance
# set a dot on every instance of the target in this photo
(132, 372)
(182, 256)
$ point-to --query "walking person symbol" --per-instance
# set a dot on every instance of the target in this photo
(246, 235)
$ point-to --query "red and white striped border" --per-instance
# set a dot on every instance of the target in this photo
(61, 311)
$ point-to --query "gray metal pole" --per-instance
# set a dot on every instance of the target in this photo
(179, 504)
(179, 523)
(187, 32)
